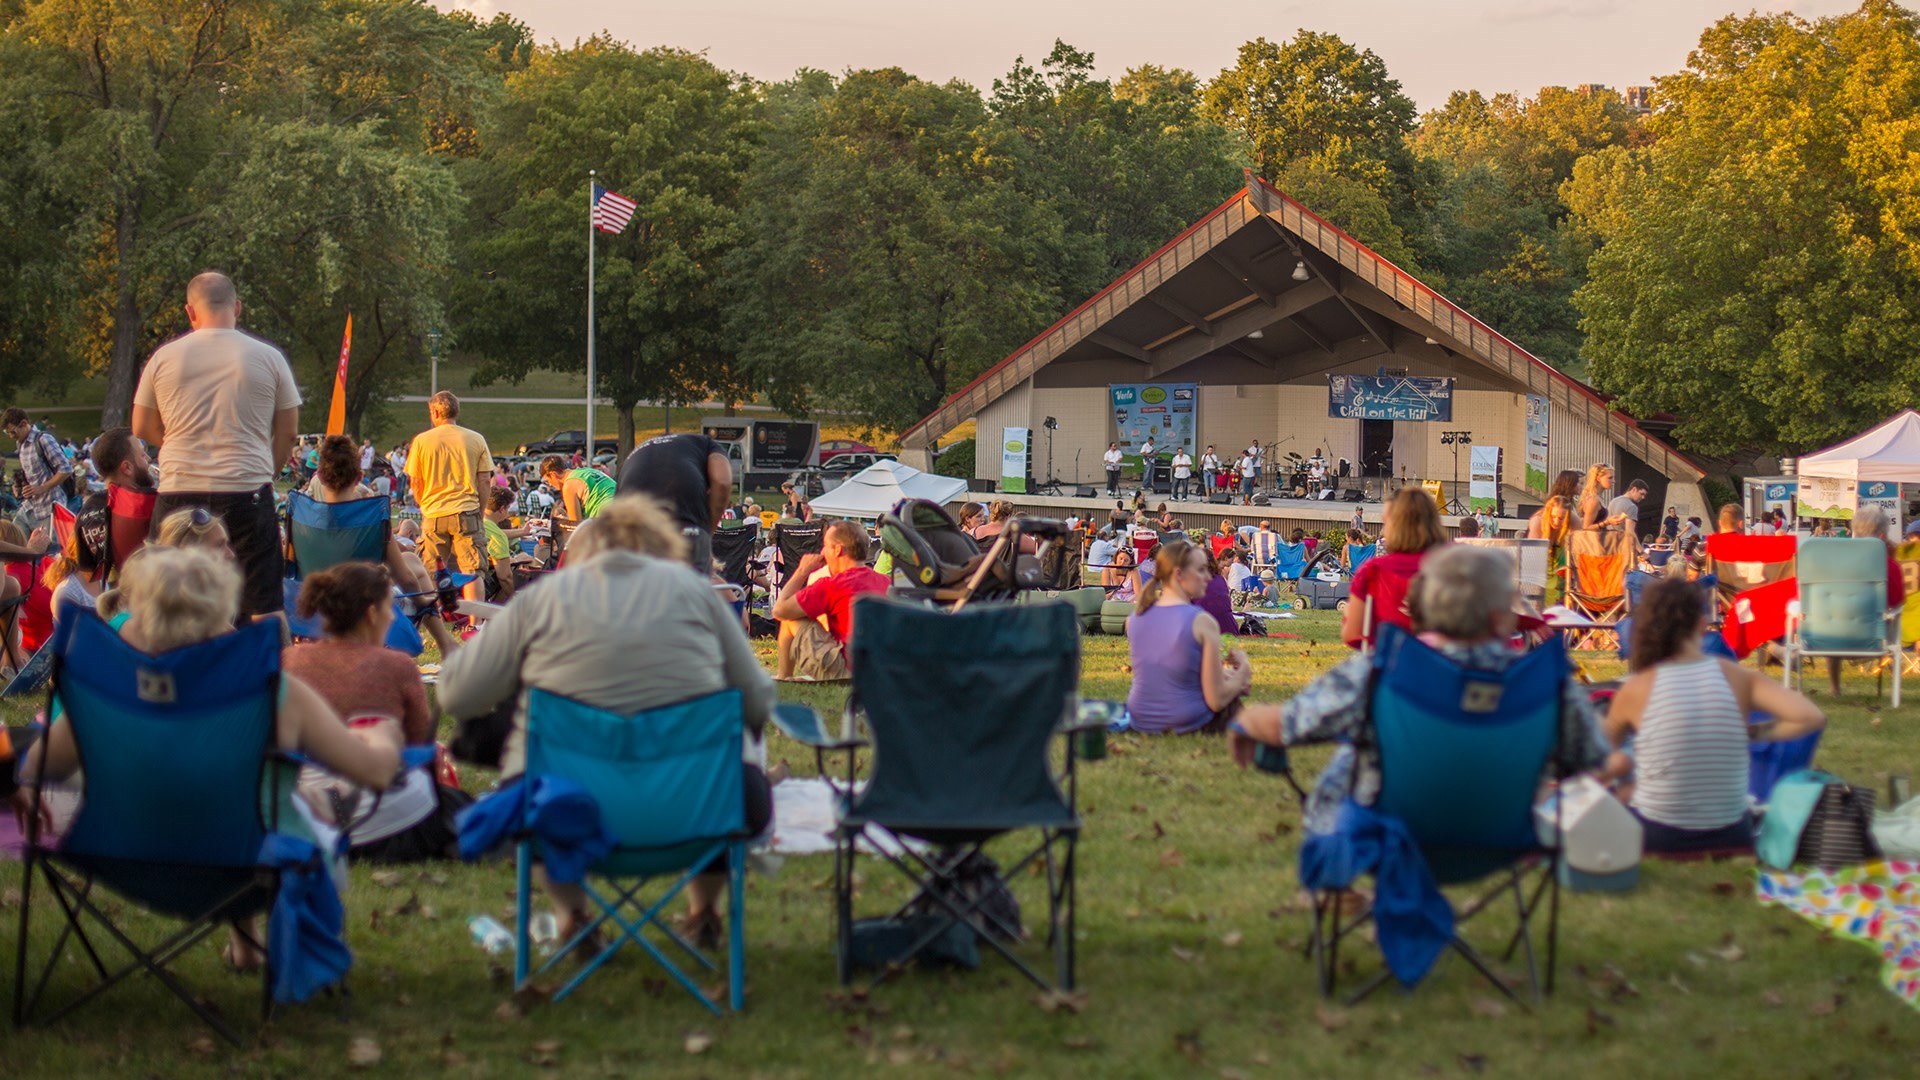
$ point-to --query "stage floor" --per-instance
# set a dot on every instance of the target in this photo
(1312, 515)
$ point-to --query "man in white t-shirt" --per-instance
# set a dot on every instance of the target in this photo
(221, 406)
(1182, 472)
(1249, 472)
(1113, 459)
(1209, 468)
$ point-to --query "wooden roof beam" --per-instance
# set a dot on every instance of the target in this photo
(1181, 311)
(1123, 348)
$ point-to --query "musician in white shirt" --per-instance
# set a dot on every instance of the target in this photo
(1182, 473)
(1113, 459)
(1209, 468)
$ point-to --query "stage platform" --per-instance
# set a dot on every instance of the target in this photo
(1311, 515)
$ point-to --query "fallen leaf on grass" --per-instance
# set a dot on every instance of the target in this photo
(1053, 1001)
(387, 879)
(1473, 1062)
(200, 1045)
(1138, 808)
(902, 1034)
(1597, 1020)
(1724, 888)
(1772, 999)
(523, 1001)
(1172, 857)
(1231, 1073)
(1188, 1043)
(1079, 1042)
(1187, 955)
(1329, 1018)
(1488, 1009)
(363, 1053)
(9, 898)
(409, 906)
(546, 1053)
(1158, 832)
(698, 1042)
(1731, 953)
(1826, 1006)
(1233, 940)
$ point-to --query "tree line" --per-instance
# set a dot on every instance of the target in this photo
(1746, 255)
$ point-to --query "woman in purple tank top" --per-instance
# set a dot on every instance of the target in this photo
(1183, 680)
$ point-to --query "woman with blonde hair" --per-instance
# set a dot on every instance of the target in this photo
(1184, 679)
(1411, 529)
(1551, 523)
(1594, 495)
(175, 597)
(194, 527)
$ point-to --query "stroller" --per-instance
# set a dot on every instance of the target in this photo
(946, 566)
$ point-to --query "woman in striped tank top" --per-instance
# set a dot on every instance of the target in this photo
(1685, 715)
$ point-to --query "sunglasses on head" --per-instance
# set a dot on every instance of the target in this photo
(200, 517)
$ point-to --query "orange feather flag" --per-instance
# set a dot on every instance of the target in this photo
(337, 415)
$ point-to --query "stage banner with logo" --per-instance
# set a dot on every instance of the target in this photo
(1483, 479)
(1390, 397)
(1163, 410)
(1538, 411)
(1013, 459)
(1778, 495)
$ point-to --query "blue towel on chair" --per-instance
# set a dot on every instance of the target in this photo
(305, 930)
(563, 818)
(1415, 920)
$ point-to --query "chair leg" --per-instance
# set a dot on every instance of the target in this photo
(1526, 937)
(737, 926)
(843, 905)
(20, 956)
(522, 906)
(1553, 918)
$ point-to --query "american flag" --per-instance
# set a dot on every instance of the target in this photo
(611, 210)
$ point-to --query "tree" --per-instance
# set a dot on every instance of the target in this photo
(892, 256)
(1497, 244)
(38, 290)
(1757, 270)
(1123, 166)
(1316, 111)
(663, 127)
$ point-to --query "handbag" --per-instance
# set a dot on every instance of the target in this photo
(1815, 817)
(1840, 830)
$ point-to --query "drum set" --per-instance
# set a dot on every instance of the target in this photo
(1311, 477)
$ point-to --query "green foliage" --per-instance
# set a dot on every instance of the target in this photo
(891, 253)
(663, 127)
(1325, 121)
(958, 459)
(1758, 272)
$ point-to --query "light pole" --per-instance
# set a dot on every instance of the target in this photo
(433, 361)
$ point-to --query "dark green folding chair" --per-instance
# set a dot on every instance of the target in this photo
(963, 710)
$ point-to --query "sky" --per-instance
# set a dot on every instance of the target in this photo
(1432, 46)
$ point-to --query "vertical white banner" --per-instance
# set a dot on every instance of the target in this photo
(1013, 459)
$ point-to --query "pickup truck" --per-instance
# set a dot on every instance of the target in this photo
(566, 442)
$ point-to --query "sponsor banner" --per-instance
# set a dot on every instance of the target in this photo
(1013, 459)
(1390, 397)
(1164, 411)
(1778, 495)
(1825, 497)
(1884, 494)
(1483, 479)
(1539, 409)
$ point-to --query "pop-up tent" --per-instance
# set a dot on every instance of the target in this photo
(875, 490)
(1890, 452)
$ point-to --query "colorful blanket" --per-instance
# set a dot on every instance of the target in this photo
(1877, 904)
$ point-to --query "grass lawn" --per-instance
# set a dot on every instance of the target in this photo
(1190, 923)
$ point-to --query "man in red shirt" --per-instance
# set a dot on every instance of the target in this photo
(808, 650)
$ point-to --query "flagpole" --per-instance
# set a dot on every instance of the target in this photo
(590, 370)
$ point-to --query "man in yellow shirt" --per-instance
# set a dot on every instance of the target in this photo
(450, 470)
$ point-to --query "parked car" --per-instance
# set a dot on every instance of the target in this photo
(832, 448)
(567, 442)
(847, 463)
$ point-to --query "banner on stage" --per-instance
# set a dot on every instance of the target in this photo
(1483, 480)
(1390, 397)
(1165, 411)
(1538, 411)
(1013, 459)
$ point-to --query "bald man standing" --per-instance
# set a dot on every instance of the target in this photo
(222, 407)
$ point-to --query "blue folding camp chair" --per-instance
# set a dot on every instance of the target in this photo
(1290, 561)
(963, 709)
(1358, 554)
(322, 535)
(1461, 757)
(181, 792)
(1842, 610)
(669, 787)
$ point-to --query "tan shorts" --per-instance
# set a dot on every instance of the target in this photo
(816, 654)
(458, 538)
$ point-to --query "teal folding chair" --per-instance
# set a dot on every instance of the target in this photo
(1461, 753)
(1842, 611)
(669, 786)
(175, 751)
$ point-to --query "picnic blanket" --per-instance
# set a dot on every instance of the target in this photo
(1876, 904)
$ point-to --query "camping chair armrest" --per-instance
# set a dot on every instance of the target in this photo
(802, 724)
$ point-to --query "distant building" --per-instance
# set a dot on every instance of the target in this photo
(1588, 89)
(1640, 98)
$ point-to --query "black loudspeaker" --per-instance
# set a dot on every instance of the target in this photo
(1222, 497)
(982, 487)
(1085, 491)
(1354, 495)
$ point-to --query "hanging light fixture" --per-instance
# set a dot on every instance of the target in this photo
(1300, 270)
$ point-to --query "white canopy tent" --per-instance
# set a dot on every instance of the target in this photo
(1888, 452)
(875, 489)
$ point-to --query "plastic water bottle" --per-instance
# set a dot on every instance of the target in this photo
(489, 934)
(544, 929)
(443, 584)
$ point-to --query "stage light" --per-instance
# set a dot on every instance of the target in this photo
(1050, 424)
(1300, 270)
